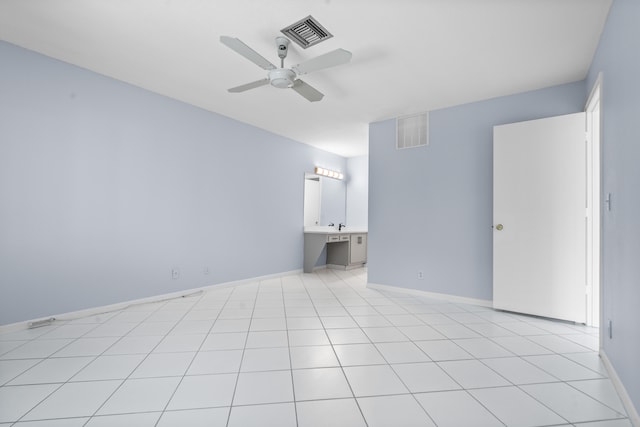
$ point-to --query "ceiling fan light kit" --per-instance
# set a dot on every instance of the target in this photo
(286, 78)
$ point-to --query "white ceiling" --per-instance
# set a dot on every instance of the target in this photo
(409, 56)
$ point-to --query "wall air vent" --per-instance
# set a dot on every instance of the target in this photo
(307, 32)
(412, 131)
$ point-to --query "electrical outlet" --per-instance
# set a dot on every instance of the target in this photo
(420, 275)
(175, 273)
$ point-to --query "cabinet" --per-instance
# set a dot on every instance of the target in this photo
(358, 252)
(344, 250)
(349, 251)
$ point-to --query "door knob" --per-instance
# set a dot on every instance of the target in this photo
(499, 227)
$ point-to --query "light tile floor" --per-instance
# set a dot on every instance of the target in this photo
(306, 350)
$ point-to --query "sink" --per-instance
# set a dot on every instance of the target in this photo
(320, 229)
(325, 229)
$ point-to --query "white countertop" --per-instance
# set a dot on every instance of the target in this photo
(324, 229)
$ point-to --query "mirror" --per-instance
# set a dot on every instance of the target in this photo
(325, 200)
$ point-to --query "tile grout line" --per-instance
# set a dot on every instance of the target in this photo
(123, 381)
(333, 287)
(479, 360)
(342, 368)
(395, 372)
(52, 356)
(332, 344)
(68, 380)
(194, 356)
(286, 323)
(561, 416)
(625, 415)
(246, 339)
(464, 389)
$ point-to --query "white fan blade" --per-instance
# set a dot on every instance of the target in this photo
(307, 91)
(247, 52)
(330, 59)
(248, 86)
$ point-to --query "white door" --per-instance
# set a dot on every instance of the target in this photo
(539, 196)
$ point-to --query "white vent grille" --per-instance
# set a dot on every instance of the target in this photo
(412, 131)
(307, 32)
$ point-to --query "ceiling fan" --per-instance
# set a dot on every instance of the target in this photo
(286, 77)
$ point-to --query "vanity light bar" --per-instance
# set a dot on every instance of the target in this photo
(329, 173)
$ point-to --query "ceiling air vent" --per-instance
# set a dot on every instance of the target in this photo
(307, 32)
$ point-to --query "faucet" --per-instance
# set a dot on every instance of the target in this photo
(341, 226)
(331, 225)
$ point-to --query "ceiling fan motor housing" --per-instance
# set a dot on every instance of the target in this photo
(282, 78)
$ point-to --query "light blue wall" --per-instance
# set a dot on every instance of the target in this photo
(105, 187)
(358, 192)
(618, 58)
(430, 208)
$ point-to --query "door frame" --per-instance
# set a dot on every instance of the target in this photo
(595, 186)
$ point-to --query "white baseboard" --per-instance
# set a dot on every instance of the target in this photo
(632, 412)
(435, 295)
(122, 305)
(344, 267)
